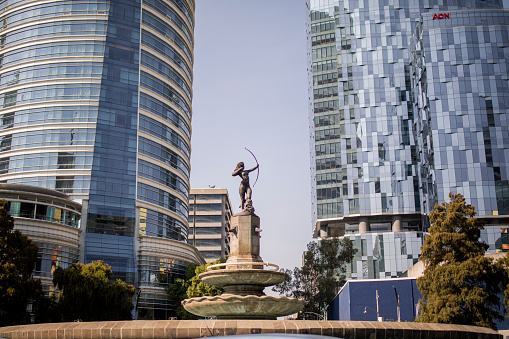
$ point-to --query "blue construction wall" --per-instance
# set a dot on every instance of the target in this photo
(358, 294)
(349, 304)
(340, 307)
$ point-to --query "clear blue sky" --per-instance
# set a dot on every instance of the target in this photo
(250, 90)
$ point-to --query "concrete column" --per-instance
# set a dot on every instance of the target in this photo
(363, 225)
(396, 223)
(323, 232)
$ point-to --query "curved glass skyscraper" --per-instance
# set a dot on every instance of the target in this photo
(95, 101)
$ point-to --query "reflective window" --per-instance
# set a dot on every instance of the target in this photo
(205, 219)
(207, 242)
(56, 92)
(208, 197)
(156, 24)
(164, 154)
(53, 29)
(206, 207)
(167, 11)
(77, 184)
(49, 138)
(164, 111)
(53, 114)
(44, 212)
(52, 50)
(211, 254)
(46, 161)
(52, 71)
(162, 176)
(38, 12)
(156, 224)
(165, 70)
(159, 271)
(151, 41)
(158, 86)
(51, 256)
(207, 230)
(162, 198)
(163, 132)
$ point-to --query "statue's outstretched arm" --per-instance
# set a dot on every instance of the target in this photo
(252, 169)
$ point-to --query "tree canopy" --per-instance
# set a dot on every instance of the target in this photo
(321, 276)
(460, 284)
(18, 255)
(86, 293)
(191, 286)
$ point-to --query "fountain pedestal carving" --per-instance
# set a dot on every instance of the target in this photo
(243, 279)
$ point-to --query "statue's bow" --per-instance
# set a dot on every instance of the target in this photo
(258, 172)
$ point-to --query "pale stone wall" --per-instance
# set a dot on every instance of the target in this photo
(159, 329)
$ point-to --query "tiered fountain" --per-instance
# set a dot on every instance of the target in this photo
(243, 279)
(243, 276)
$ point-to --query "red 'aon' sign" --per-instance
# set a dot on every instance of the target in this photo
(441, 16)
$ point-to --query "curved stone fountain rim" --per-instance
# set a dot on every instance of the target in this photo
(275, 267)
(163, 329)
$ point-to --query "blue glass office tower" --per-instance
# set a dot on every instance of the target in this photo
(95, 101)
(460, 73)
(367, 169)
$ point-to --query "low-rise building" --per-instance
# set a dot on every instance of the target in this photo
(210, 212)
(51, 220)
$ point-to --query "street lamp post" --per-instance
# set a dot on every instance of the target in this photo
(377, 309)
(397, 301)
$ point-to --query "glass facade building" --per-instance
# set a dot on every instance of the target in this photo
(51, 219)
(210, 211)
(95, 102)
(460, 73)
(370, 169)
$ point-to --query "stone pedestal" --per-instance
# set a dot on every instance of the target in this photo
(244, 241)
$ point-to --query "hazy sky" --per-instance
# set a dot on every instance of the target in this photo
(250, 90)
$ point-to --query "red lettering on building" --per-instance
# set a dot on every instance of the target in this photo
(441, 16)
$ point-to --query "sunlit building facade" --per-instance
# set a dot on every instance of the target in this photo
(210, 212)
(460, 73)
(368, 173)
(95, 102)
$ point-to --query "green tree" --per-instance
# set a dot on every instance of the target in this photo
(87, 293)
(18, 255)
(321, 276)
(191, 286)
(460, 285)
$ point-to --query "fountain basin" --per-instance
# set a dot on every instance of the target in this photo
(242, 281)
(229, 306)
(222, 278)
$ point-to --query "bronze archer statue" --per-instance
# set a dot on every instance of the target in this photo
(244, 188)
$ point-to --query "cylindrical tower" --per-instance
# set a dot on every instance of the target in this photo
(95, 102)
